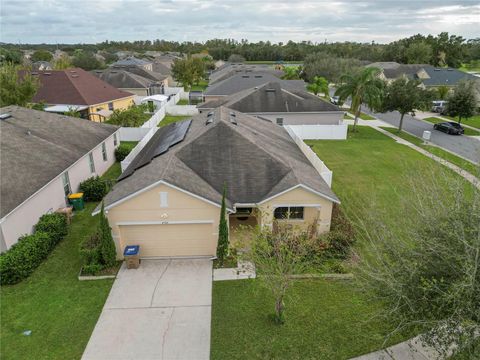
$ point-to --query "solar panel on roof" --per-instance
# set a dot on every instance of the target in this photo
(161, 142)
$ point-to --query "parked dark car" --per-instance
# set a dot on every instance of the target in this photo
(449, 127)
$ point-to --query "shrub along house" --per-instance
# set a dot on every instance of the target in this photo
(43, 158)
(78, 90)
(168, 199)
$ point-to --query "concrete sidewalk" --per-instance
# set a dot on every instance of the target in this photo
(162, 310)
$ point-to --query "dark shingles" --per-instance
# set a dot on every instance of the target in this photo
(37, 146)
(257, 159)
(123, 79)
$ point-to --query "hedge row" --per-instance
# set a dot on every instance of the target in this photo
(28, 253)
(93, 189)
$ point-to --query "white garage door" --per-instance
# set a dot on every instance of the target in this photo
(170, 239)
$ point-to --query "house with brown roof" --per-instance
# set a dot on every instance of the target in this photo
(78, 90)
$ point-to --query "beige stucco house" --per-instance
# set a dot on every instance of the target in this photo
(43, 158)
(168, 200)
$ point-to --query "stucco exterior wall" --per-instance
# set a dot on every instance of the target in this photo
(51, 197)
(317, 208)
(146, 208)
(119, 104)
(324, 118)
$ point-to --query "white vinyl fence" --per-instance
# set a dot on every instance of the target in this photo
(186, 110)
(317, 132)
(318, 164)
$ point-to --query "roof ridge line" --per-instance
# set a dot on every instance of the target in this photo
(75, 85)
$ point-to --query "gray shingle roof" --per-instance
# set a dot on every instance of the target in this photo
(272, 98)
(131, 60)
(230, 69)
(257, 160)
(241, 82)
(122, 79)
(37, 146)
(152, 75)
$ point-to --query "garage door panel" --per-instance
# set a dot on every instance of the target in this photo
(170, 239)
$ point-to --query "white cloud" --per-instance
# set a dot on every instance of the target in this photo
(70, 21)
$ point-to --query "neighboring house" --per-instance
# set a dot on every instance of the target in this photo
(133, 83)
(168, 200)
(133, 61)
(161, 68)
(230, 69)
(77, 89)
(428, 75)
(281, 106)
(244, 81)
(41, 65)
(43, 158)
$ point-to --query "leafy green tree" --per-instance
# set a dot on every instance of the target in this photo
(41, 55)
(462, 102)
(189, 71)
(425, 269)
(85, 60)
(107, 245)
(319, 85)
(419, 53)
(362, 86)
(328, 66)
(405, 96)
(442, 92)
(223, 242)
(134, 116)
(62, 63)
(15, 90)
(10, 56)
(291, 72)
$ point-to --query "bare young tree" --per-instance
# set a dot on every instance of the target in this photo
(278, 252)
(425, 266)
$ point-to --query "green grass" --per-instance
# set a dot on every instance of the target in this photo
(454, 159)
(362, 116)
(201, 86)
(468, 131)
(324, 320)
(183, 102)
(60, 310)
(168, 119)
(474, 121)
(130, 144)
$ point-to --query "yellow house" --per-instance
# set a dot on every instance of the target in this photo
(78, 90)
(168, 200)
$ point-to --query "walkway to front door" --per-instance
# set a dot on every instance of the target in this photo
(159, 311)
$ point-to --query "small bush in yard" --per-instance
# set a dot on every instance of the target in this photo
(22, 258)
(122, 151)
(90, 250)
(53, 224)
(107, 245)
(94, 189)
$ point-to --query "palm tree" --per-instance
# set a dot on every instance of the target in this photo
(319, 85)
(363, 86)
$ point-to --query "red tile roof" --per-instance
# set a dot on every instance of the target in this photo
(74, 87)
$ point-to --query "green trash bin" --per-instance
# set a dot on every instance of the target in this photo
(76, 200)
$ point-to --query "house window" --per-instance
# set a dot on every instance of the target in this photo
(115, 141)
(104, 152)
(289, 212)
(280, 121)
(91, 163)
(110, 106)
(163, 199)
(66, 183)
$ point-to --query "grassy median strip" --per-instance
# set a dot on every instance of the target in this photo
(454, 159)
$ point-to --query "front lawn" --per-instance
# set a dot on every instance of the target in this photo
(324, 320)
(183, 102)
(435, 150)
(362, 116)
(468, 131)
(168, 119)
(60, 311)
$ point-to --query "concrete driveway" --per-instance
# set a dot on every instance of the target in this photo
(159, 311)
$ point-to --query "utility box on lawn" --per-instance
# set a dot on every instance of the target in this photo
(132, 256)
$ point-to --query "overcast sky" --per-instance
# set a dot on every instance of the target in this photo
(68, 21)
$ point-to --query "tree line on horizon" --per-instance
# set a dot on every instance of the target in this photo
(441, 50)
